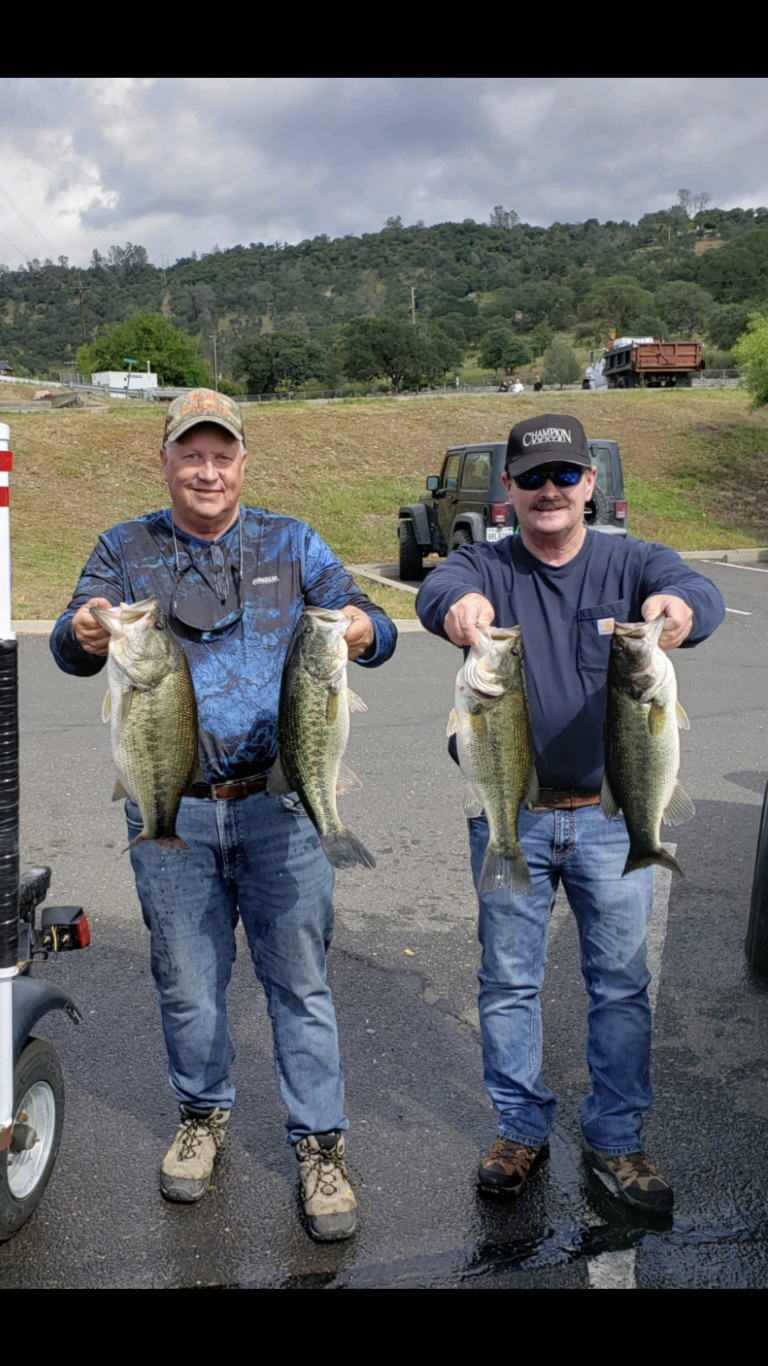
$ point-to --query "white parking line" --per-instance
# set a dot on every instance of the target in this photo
(737, 613)
(613, 1271)
(616, 1270)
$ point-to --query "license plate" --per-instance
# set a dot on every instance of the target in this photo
(495, 533)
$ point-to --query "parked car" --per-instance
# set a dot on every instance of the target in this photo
(467, 502)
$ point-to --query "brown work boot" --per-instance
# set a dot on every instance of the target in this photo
(506, 1168)
(186, 1169)
(633, 1178)
(329, 1202)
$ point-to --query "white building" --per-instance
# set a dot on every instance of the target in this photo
(118, 382)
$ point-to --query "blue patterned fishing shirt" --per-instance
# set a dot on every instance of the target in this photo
(236, 672)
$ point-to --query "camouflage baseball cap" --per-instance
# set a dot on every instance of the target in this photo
(202, 405)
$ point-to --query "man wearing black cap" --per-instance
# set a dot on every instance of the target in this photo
(233, 582)
(565, 585)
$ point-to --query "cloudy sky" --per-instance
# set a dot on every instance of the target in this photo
(181, 164)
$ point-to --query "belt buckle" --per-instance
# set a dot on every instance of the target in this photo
(214, 793)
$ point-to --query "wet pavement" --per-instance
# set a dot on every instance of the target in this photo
(403, 972)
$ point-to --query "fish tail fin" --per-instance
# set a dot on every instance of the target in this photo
(344, 850)
(646, 860)
(505, 870)
(167, 842)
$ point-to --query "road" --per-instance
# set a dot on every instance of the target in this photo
(403, 973)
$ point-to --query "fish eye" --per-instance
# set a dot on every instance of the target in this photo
(160, 620)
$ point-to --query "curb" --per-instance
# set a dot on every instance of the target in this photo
(754, 555)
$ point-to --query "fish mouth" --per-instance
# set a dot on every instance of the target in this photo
(329, 619)
(117, 619)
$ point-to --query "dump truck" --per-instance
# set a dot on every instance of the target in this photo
(629, 362)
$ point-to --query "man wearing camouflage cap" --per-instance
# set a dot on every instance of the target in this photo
(233, 581)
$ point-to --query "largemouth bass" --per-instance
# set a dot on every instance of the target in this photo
(493, 734)
(313, 729)
(150, 706)
(642, 744)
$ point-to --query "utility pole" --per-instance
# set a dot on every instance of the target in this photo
(413, 305)
(82, 315)
(215, 363)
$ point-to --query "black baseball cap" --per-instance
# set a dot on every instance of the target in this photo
(542, 440)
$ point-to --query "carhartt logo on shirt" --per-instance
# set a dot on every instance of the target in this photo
(270, 578)
(605, 626)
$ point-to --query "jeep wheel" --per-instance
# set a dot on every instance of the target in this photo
(458, 538)
(597, 509)
(411, 558)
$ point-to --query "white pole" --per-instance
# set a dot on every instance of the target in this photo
(6, 974)
(6, 632)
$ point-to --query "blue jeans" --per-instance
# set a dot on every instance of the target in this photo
(587, 853)
(259, 859)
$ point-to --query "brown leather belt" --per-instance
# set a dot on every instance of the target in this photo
(564, 799)
(232, 791)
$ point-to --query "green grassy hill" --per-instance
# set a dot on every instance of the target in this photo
(696, 467)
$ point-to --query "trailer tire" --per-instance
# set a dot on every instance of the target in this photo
(621, 383)
(38, 1087)
(756, 945)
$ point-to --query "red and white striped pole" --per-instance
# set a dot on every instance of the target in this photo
(9, 800)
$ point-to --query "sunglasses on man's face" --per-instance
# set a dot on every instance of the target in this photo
(564, 477)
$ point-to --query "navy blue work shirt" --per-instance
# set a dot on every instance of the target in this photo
(566, 613)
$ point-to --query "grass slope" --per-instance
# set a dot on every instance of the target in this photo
(696, 465)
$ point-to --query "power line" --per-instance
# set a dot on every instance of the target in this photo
(27, 222)
(23, 254)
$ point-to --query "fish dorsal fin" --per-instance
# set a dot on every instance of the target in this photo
(126, 699)
(471, 805)
(277, 783)
(119, 791)
(347, 781)
(680, 808)
(453, 723)
(608, 802)
(656, 718)
(331, 706)
(106, 706)
(681, 716)
(354, 702)
(532, 790)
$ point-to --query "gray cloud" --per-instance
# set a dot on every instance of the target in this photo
(183, 163)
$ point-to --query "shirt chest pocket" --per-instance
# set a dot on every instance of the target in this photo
(595, 630)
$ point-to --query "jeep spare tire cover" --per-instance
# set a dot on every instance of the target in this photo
(597, 509)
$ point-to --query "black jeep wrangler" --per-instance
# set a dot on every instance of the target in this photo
(467, 502)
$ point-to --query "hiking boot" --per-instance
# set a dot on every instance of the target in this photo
(633, 1178)
(329, 1203)
(506, 1168)
(186, 1169)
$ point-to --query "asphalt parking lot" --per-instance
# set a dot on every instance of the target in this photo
(403, 974)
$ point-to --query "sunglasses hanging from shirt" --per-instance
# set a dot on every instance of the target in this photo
(207, 591)
(563, 478)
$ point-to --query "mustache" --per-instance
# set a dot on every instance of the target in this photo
(542, 504)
